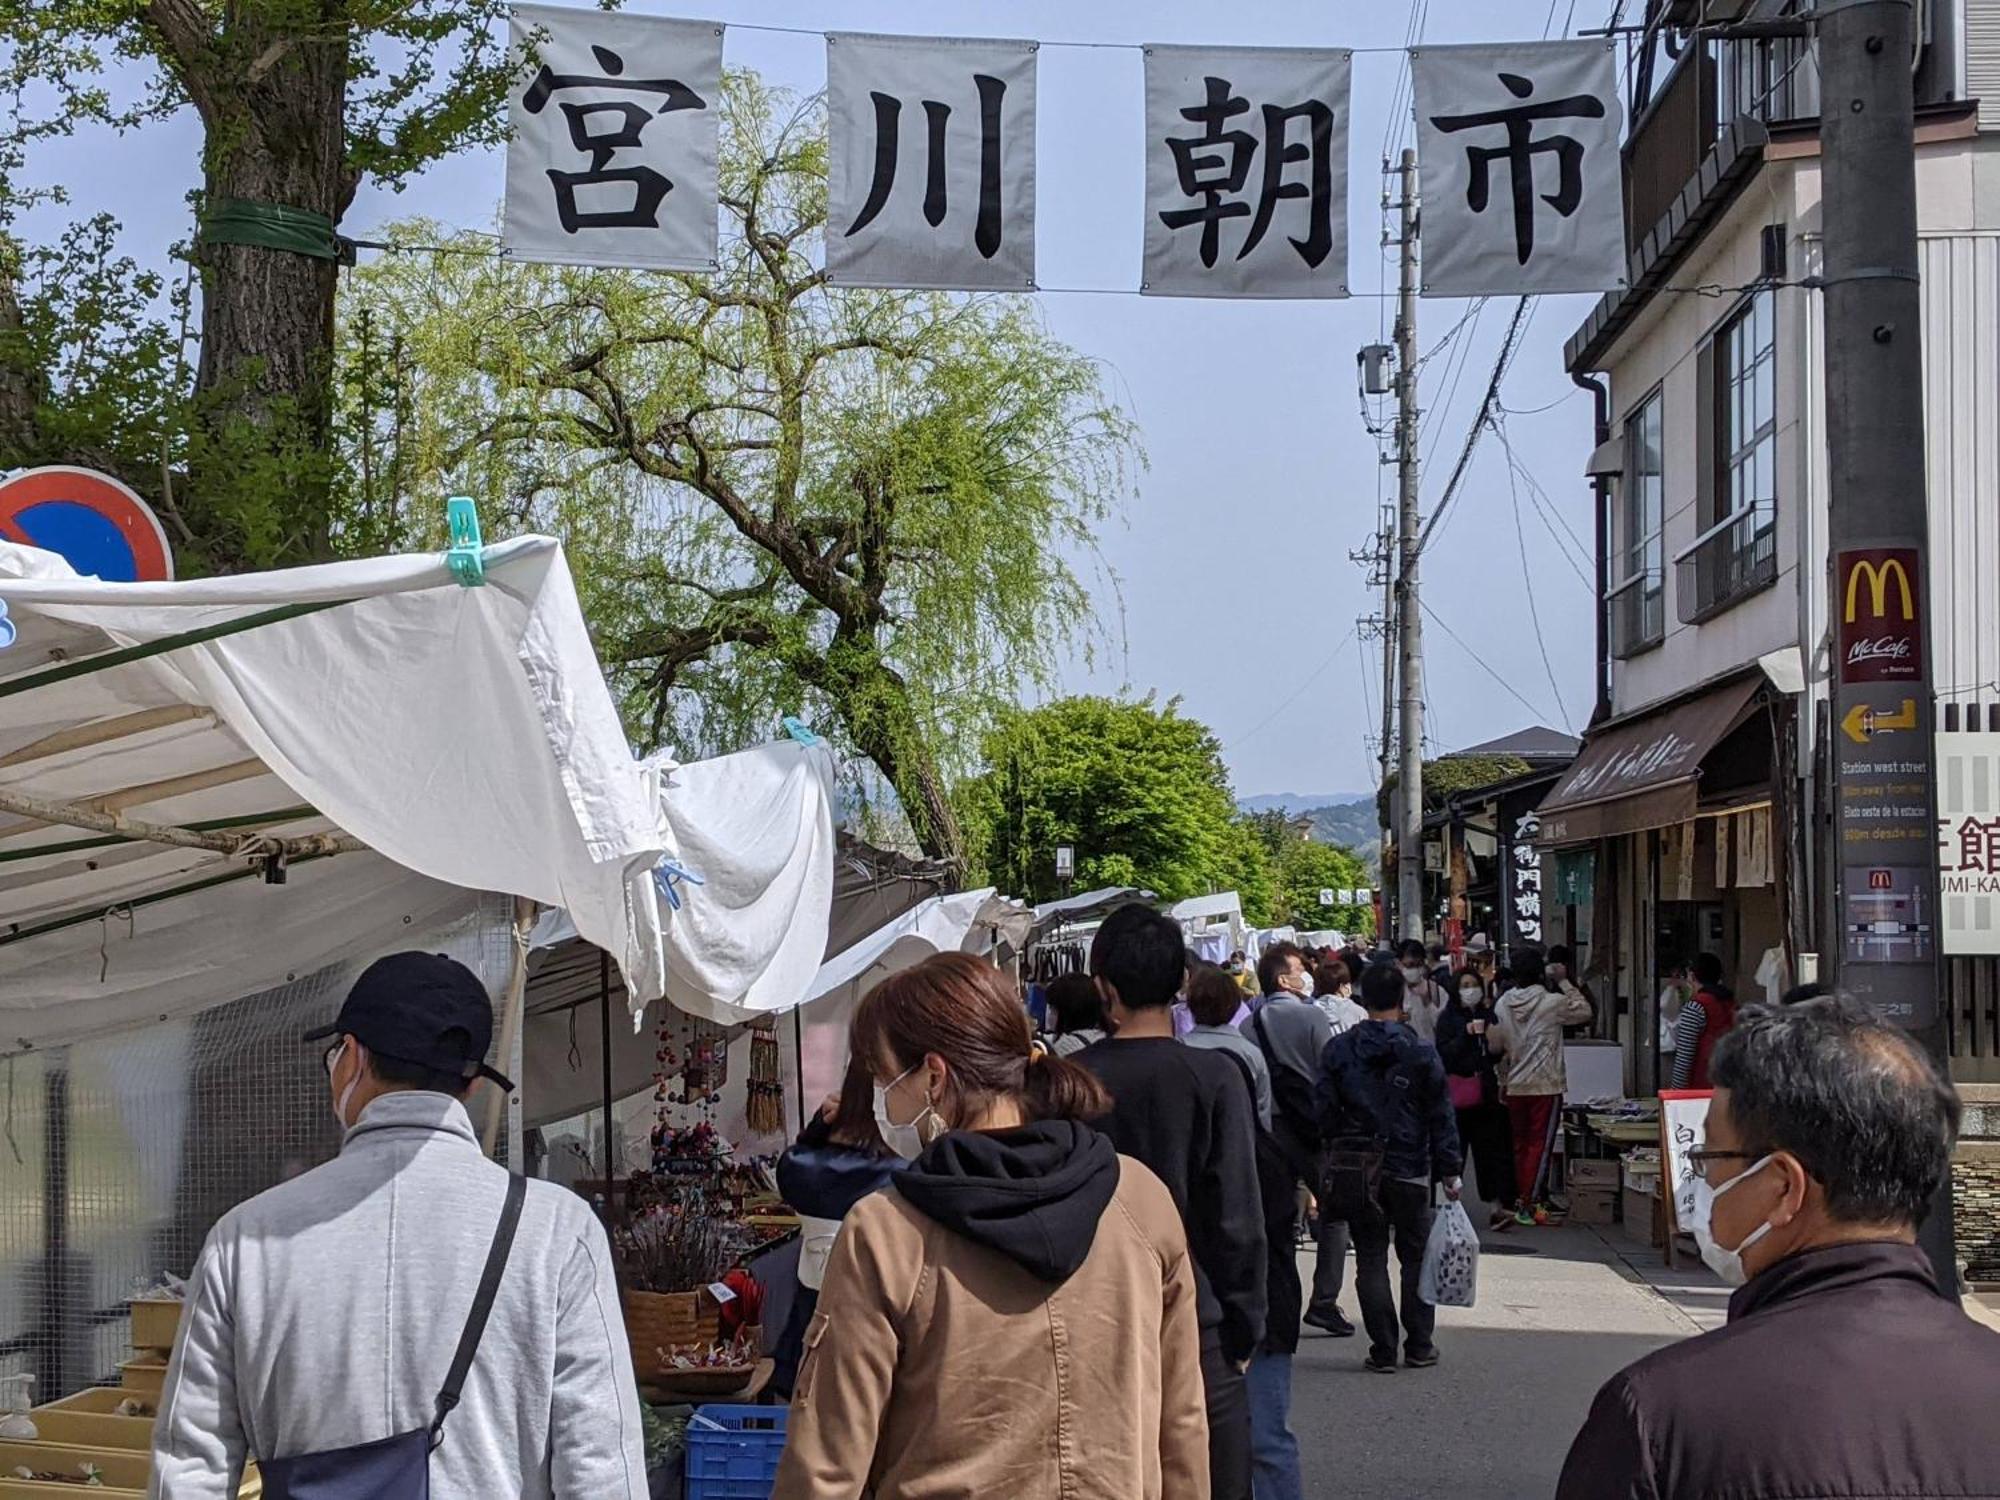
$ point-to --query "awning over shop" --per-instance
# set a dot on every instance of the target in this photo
(1643, 773)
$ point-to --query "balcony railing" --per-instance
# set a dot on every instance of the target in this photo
(1635, 613)
(1731, 560)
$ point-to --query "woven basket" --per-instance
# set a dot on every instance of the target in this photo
(655, 1321)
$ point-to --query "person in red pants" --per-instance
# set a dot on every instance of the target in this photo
(1528, 1037)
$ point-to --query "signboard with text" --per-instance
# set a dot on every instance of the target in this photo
(1968, 840)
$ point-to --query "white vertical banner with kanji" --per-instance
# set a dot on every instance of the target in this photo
(1518, 168)
(931, 181)
(1968, 804)
(611, 156)
(1246, 172)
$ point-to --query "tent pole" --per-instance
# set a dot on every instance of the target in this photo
(208, 825)
(510, 1021)
(799, 1060)
(135, 903)
(41, 813)
(604, 1042)
(70, 670)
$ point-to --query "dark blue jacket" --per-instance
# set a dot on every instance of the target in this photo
(1380, 1078)
(824, 1179)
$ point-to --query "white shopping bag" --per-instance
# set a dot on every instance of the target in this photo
(1451, 1259)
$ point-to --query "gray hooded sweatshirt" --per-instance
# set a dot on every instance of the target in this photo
(324, 1314)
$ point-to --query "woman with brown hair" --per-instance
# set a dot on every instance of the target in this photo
(1017, 1314)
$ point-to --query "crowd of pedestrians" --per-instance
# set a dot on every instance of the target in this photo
(1076, 1277)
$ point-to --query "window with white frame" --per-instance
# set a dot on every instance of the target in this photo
(1637, 596)
(1736, 552)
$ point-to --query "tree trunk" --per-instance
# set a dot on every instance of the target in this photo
(262, 467)
(874, 702)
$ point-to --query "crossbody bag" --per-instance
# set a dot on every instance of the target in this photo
(399, 1467)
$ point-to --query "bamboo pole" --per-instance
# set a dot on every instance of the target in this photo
(42, 812)
(131, 796)
(510, 1021)
(84, 736)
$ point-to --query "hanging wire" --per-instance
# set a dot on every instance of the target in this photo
(1528, 589)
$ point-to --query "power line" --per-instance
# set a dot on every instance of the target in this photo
(1479, 422)
(1297, 693)
(1483, 664)
(1528, 588)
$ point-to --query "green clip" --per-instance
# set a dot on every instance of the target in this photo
(466, 556)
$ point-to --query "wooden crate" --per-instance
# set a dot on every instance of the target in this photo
(144, 1376)
(658, 1320)
(86, 1426)
(155, 1322)
(89, 1420)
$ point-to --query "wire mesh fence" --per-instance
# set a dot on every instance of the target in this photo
(118, 1154)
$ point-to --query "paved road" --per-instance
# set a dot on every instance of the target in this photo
(1494, 1419)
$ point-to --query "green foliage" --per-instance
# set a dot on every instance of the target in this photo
(1305, 869)
(1139, 791)
(781, 497)
(1449, 775)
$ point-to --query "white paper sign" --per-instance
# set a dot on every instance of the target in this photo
(611, 160)
(1683, 1128)
(1246, 172)
(931, 182)
(1518, 168)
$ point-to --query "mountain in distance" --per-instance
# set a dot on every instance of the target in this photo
(1353, 826)
(1293, 804)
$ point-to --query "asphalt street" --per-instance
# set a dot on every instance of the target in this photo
(1559, 1310)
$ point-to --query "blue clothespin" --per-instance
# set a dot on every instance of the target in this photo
(796, 728)
(8, 634)
(466, 556)
(668, 875)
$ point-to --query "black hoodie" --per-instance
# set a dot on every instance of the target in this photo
(1034, 1193)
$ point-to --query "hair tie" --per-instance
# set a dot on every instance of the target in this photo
(1037, 1052)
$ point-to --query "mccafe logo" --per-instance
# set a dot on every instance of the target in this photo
(1881, 648)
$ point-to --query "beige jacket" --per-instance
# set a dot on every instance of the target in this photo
(1528, 1035)
(937, 1369)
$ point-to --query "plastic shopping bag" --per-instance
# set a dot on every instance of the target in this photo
(1451, 1259)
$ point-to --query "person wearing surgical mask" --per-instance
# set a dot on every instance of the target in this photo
(1423, 996)
(1015, 1217)
(1847, 1366)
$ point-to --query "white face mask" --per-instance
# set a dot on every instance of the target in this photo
(1413, 973)
(1304, 981)
(907, 1141)
(1728, 1264)
(1471, 994)
(340, 1103)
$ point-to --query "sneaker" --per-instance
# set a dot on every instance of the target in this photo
(1541, 1215)
(1333, 1322)
(1503, 1218)
(1525, 1217)
(1420, 1359)
(1379, 1366)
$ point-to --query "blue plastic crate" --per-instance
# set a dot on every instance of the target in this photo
(733, 1451)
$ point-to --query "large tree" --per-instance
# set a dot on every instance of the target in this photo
(1307, 867)
(299, 102)
(1137, 789)
(861, 505)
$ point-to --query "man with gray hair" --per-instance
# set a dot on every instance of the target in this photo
(1841, 1371)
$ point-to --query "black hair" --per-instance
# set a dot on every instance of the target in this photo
(1382, 989)
(1213, 998)
(1139, 953)
(1272, 962)
(1076, 1003)
(395, 1073)
(1411, 948)
(1862, 1107)
(1559, 954)
(1798, 994)
(1435, 953)
(1707, 969)
(1525, 966)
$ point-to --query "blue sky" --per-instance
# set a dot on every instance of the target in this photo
(1235, 591)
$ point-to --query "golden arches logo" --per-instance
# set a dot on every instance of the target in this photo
(1879, 577)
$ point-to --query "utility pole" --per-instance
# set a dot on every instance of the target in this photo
(1885, 946)
(1409, 631)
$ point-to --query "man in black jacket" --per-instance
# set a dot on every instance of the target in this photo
(1379, 1082)
(1841, 1370)
(1188, 1115)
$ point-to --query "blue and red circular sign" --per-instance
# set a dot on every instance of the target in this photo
(96, 524)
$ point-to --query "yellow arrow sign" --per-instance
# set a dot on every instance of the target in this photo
(1861, 722)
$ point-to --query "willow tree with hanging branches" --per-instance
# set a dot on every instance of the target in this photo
(877, 508)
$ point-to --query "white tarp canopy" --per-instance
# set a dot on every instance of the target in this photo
(464, 733)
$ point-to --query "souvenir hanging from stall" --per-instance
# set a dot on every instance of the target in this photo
(765, 1111)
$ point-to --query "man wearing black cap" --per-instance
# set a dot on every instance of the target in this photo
(324, 1314)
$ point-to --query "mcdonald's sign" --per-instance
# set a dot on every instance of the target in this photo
(1880, 595)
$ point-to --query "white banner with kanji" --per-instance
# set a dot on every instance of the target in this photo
(1519, 168)
(1968, 793)
(612, 156)
(931, 180)
(1246, 172)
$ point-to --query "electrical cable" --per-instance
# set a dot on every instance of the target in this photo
(1528, 588)
(1297, 693)
(1481, 662)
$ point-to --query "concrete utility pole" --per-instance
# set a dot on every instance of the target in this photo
(1885, 948)
(1386, 545)
(1409, 619)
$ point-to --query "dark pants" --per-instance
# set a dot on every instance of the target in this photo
(1228, 1424)
(1330, 1268)
(1488, 1137)
(1402, 1213)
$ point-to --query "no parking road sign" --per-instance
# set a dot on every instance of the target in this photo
(98, 525)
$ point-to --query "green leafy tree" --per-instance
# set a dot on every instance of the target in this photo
(857, 505)
(1308, 867)
(1137, 789)
(299, 102)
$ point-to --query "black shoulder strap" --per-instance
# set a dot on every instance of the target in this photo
(1249, 1078)
(482, 1304)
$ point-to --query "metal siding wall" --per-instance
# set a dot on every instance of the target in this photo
(1982, 59)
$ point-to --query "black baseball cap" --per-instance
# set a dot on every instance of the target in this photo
(420, 1008)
